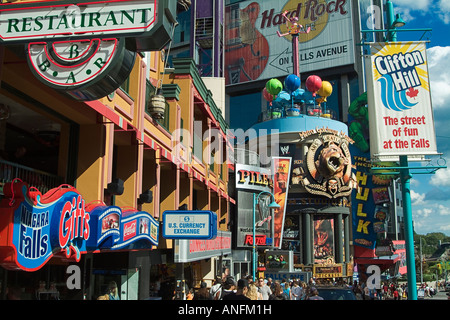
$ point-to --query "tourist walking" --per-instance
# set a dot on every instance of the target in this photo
(264, 289)
(296, 291)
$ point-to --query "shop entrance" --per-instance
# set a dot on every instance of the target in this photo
(127, 282)
(129, 288)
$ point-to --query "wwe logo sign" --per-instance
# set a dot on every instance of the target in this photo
(284, 150)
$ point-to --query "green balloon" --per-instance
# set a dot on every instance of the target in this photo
(274, 86)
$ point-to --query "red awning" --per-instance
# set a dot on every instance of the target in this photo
(379, 260)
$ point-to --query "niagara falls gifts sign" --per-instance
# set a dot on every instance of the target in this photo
(399, 103)
(34, 227)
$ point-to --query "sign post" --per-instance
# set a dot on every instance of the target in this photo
(401, 120)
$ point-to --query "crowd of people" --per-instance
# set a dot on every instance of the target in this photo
(390, 291)
(294, 289)
(261, 289)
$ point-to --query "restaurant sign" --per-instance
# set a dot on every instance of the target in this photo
(35, 227)
(86, 50)
(59, 20)
(83, 69)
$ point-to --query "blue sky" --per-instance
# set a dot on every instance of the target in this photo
(430, 193)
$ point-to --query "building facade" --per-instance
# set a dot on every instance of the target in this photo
(112, 153)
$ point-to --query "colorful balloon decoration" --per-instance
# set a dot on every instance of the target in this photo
(325, 90)
(290, 96)
(313, 84)
(292, 82)
(267, 96)
(274, 86)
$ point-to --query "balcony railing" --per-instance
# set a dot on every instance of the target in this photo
(295, 111)
(43, 181)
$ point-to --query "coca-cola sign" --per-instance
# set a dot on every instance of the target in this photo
(129, 230)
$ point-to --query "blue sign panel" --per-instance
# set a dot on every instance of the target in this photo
(180, 224)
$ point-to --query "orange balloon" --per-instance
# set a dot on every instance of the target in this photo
(325, 90)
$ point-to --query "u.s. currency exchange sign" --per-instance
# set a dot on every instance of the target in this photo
(65, 20)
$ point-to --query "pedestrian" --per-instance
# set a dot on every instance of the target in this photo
(296, 291)
(264, 289)
(395, 294)
(270, 283)
(372, 294)
(228, 287)
(216, 289)
(379, 294)
(400, 293)
(314, 294)
(240, 294)
(190, 294)
(113, 292)
(278, 293)
(385, 290)
(253, 292)
(286, 287)
(356, 288)
(202, 293)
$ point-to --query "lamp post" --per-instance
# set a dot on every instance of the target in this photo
(405, 176)
(392, 23)
(273, 205)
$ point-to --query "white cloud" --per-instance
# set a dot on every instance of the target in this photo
(414, 183)
(424, 213)
(445, 228)
(417, 198)
(443, 210)
(439, 60)
(444, 5)
(422, 5)
(441, 8)
(444, 11)
(441, 178)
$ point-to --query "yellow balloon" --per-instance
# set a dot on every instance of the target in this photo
(326, 90)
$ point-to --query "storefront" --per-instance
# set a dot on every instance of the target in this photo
(203, 259)
(81, 107)
(317, 178)
(59, 226)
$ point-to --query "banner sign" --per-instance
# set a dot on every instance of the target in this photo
(253, 178)
(259, 38)
(301, 276)
(399, 101)
(364, 217)
(281, 177)
(36, 227)
(198, 249)
(263, 219)
(180, 224)
(117, 228)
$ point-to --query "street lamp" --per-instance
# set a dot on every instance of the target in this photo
(271, 206)
(405, 177)
(398, 22)
(392, 23)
